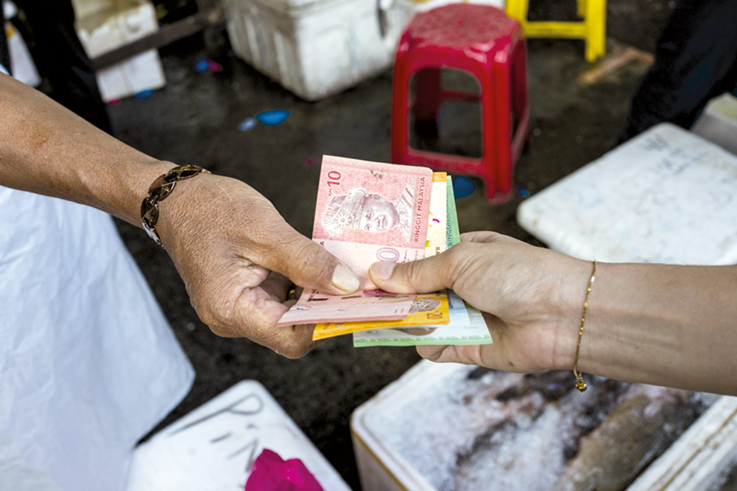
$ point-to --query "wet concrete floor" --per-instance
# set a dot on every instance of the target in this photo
(194, 120)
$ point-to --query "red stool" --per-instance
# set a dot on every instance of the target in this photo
(484, 42)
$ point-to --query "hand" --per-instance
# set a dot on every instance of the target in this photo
(531, 298)
(238, 259)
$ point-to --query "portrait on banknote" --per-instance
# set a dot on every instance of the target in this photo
(370, 203)
(367, 211)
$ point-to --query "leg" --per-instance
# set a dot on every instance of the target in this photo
(581, 9)
(595, 29)
(695, 60)
(63, 61)
(4, 52)
(517, 9)
(428, 85)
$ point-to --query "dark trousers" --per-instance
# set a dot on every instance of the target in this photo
(695, 60)
(60, 59)
(4, 52)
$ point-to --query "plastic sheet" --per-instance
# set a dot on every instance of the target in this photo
(272, 472)
(88, 363)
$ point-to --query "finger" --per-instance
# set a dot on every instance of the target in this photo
(309, 265)
(277, 285)
(256, 316)
(465, 354)
(486, 237)
(423, 276)
(430, 352)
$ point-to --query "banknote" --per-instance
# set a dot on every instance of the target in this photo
(438, 219)
(431, 308)
(476, 332)
(453, 235)
(366, 212)
(314, 307)
(457, 312)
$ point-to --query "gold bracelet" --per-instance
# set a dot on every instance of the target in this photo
(580, 384)
(159, 190)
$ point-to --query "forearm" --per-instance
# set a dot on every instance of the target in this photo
(664, 325)
(46, 149)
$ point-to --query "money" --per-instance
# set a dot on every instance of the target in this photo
(476, 332)
(453, 235)
(466, 326)
(429, 308)
(457, 312)
(366, 212)
(438, 219)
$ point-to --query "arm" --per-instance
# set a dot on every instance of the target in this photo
(228, 242)
(647, 323)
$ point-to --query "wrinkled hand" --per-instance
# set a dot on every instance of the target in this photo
(238, 259)
(531, 298)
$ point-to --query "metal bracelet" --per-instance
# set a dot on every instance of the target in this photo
(158, 192)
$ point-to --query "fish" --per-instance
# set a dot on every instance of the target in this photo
(552, 384)
(645, 421)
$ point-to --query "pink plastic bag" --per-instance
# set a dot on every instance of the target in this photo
(271, 473)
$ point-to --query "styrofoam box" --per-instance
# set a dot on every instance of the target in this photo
(110, 26)
(212, 448)
(381, 465)
(718, 124)
(316, 48)
(666, 196)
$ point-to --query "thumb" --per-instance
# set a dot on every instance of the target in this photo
(309, 265)
(423, 276)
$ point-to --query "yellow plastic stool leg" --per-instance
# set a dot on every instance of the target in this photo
(595, 29)
(517, 9)
(581, 9)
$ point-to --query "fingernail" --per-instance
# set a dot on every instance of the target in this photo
(382, 271)
(344, 279)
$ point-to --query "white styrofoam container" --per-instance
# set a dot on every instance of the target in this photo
(86, 8)
(316, 48)
(382, 467)
(718, 124)
(113, 27)
(666, 196)
(212, 448)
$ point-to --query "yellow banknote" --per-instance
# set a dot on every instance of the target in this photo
(427, 309)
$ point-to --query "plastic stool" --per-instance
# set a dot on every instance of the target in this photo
(482, 41)
(592, 29)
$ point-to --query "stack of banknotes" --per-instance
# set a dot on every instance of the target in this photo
(368, 212)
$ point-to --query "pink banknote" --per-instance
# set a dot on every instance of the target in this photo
(314, 307)
(366, 212)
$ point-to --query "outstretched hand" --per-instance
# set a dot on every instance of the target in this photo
(239, 258)
(527, 295)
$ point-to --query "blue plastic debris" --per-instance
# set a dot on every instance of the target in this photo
(202, 65)
(523, 191)
(144, 94)
(247, 125)
(273, 118)
(463, 187)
